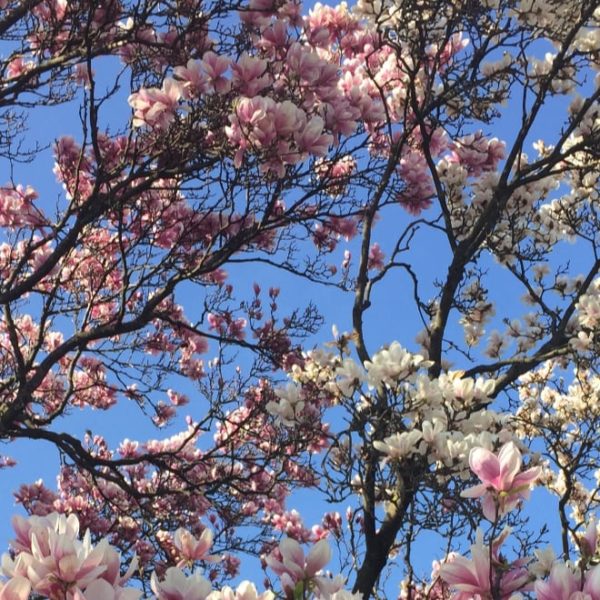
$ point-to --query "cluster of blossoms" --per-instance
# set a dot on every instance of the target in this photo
(48, 558)
(284, 102)
(566, 418)
(291, 99)
(51, 560)
(488, 573)
(441, 418)
(247, 136)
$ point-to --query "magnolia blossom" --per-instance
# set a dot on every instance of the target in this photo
(17, 588)
(566, 584)
(17, 207)
(156, 107)
(588, 541)
(192, 549)
(177, 586)
(312, 139)
(392, 364)
(473, 578)
(215, 67)
(245, 591)
(293, 566)
(503, 485)
(289, 405)
(50, 558)
(193, 78)
(400, 444)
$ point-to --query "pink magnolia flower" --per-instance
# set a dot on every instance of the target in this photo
(503, 486)
(40, 528)
(51, 558)
(294, 566)
(588, 541)
(304, 63)
(562, 584)
(176, 586)
(258, 12)
(215, 67)
(477, 154)
(193, 79)
(156, 107)
(244, 591)
(376, 257)
(472, 578)
(250, 75)
(592, 583)
(335, 174)
(17, 67)
(274, 40)
(312, 139)
(419, 190)
(288, 118)
(17, 207)
(192, 549)
(102, 590)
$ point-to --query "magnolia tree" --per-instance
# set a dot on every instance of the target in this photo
(352, 147)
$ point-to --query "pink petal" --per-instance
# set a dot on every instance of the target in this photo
(485, 465)
(474, 492)
(510, 464)
(458, 573)
(318, 557)
(481, 562)
(68, 567)
(526, 478)
(99, 590)
(17, 588)
(488, 506)
(292, 552)
(592, 583)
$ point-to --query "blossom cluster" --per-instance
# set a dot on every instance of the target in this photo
(50, 559)
(440, 418)
(488, 573)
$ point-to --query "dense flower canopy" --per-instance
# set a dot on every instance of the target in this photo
(430, 158)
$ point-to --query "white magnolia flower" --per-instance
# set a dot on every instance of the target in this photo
(400, 444)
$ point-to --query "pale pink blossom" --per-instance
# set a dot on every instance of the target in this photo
(156, 107)
(17, 67)
(17, 207)
(245, 591)
(503, 485)
(477, 154)
(293, 566)
(102, 590)
(288, 118)
(592, 583)
(17, 588)
(50, 557)
(215, 67)
(193, 80)
(473, 578)
(177, 586)
(250, 75)
(312, 139)
(588, 541)
(192, 549)
(562, 584)
(419, 189)
(376, 257)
